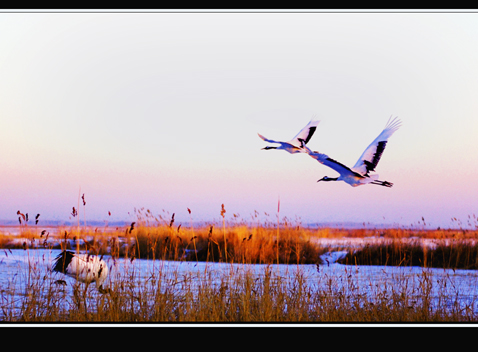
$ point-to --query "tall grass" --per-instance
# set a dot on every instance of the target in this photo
(235, 293)
(234, 245)
(230, 294)
(450, 254)
(150, 237)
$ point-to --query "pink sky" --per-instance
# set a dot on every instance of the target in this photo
(162, 111)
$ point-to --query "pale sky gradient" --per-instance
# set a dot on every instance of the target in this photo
(162, 111)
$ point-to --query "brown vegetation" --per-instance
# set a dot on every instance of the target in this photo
(238, 296)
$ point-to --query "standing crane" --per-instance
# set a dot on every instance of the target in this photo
(83, 267)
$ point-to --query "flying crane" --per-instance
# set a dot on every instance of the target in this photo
(298, 143)
(359, 174)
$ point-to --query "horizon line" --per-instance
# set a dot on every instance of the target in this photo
(311, 224)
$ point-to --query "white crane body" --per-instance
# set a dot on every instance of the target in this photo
(296, 144)
(82, 267)
(359, 174)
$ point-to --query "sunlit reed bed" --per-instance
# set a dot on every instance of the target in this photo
(158, 291)
(161, 271)
(267, 243)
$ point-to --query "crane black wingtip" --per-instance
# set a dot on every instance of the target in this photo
(62, 261)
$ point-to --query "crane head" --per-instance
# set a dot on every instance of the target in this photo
(327, 178)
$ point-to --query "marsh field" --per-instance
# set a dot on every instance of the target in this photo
(238, 272)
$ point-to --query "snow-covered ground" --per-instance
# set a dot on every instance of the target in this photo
(457, 288)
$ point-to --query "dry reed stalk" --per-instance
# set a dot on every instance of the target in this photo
(194, 236)
(278, 212)
(78, 219)
(223, 212)
(84, 209)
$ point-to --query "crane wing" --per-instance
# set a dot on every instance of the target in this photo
(267, 140)
(333, 164)
(305, 134)
(371, 156)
